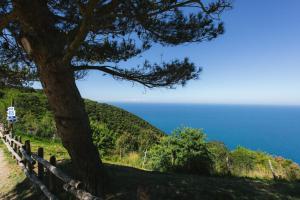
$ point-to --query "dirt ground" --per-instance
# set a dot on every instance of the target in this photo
(13, 185)
(4, 172)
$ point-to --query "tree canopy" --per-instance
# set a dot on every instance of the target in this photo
(97, 35)
(59, 40)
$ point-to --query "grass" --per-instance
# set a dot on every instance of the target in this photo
(54, 147)
(131, 183)
(51, 147)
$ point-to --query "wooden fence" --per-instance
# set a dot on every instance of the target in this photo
(28, 161)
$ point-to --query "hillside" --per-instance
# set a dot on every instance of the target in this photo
(35, 117)
(126, 139)
(189, 164)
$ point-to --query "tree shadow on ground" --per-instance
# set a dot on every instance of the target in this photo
(131, 183)
(23, 190)
(128, 183)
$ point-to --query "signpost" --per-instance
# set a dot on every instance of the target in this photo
(11, 115)
(11, 118)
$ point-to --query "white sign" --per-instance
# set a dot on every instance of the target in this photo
(11, 114)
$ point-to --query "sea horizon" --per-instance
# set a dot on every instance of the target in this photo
(269, 128)
(200, 103)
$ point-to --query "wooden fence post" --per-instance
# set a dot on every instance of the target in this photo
(272, 169)
(10, 134)
(40, 153)
(12, 144)
(23, 159)
(52, 181)
(144, 159)
(228, 165)
(28, 151)
(20, 139)
(18, 148)
(15, 146)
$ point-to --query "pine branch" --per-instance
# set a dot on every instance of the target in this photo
(6, 19)
(164, 75)
(82, 31)
(112, 71)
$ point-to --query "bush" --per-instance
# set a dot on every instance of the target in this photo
(287, 169)
(252, 163)
(126, 143)
(243, 159)
(103, 138)
(185, 150)
(221, 157)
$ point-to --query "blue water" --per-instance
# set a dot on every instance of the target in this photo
(273, 129)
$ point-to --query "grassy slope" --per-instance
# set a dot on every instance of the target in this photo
(119, 120)
(32, 105)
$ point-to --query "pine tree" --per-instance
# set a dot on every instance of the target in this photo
(60, 39)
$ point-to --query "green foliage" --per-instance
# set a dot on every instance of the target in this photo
(161, 157)
(34, 115)
(16, 76)
(103, 138)
(124, 138)
(126, 28)
(287, 169)
(183, 151)
(245, 161)
(119, 120)
(221, 157)
(114, 129)
(126, 143)
(250, 163)
(131, 133)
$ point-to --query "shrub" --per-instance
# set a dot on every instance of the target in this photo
(185, 150)
(125, 143)
(221, 157)
(161, 156)
(252, 163)
(293, 172)
(103, 138)
(243, 160)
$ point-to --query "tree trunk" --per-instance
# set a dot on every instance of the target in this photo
(45, 45)
(73, 124)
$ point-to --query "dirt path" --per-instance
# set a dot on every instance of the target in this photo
(13, 184)
(4, 167)
(4, 171)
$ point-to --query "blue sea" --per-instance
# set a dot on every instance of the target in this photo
(273, 129)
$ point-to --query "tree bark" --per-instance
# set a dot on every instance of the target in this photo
(73, 124)
(45, 45)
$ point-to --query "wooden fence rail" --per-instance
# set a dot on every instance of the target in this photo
(27, 161)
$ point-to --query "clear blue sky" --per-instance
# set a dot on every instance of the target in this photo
(256, 61)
